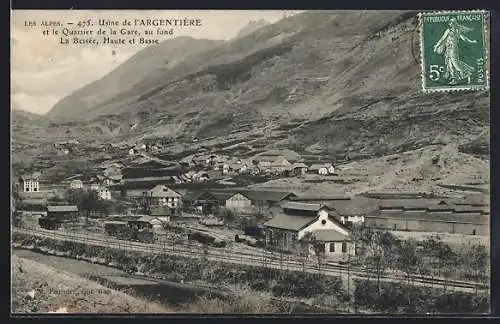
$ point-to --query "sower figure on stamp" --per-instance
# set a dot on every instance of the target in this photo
(448, 44)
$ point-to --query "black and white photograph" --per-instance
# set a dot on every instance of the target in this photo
(259, 162)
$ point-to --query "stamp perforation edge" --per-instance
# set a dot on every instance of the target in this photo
(486, 42)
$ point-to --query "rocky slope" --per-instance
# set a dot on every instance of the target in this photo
(164, 56)
(252, 27)
(343, 84)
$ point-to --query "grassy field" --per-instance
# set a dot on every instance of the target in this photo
(38, 288)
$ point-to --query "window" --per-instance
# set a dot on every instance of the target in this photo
(323, 222)
(332, 247)
(36, 189)
(344, 247)
(474, 232)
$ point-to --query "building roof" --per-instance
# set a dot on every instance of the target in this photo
(62, 209)
(159, 211)
(147, 219)
(469, 208)
(34, 202)
(473, 200)
(191, 195)
(329, 236)
(220, 195)
(235, 166)
(288, 222)
(162, 191)
(466, 218)
(354, 207)
(322, 198)
(280, 161)
(418, 203)
(318, 166)
(73, 177)
(301, 206)
(299, 165)
(33, 176)
(115, 222)
(115, 177)
(268, 196)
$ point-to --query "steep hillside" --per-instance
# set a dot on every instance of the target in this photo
(252, 27)
(163, 56)
(343, 84)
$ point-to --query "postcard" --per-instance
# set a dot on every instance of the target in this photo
(250, 162)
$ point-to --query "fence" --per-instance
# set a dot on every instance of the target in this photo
(241, 255)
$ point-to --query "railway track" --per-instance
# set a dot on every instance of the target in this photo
(266, 260)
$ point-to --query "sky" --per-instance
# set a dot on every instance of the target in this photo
(43, 71)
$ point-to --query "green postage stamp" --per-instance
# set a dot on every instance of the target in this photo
(454, 50)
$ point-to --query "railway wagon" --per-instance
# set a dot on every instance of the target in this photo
(49, 223)
(206, 238)
(113, 227)
(123, 230)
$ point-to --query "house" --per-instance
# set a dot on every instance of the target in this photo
(30, 183)
(335, 243)
(140, 147)
(62, 212)
(202, 159)
(146, 222)
(256, 200)
(286, 229)
(76, 184)
(353, 211)
(322, 169)
(299, 168)
(207, 201)
(238, 202)
(161, 195)
(280, 164)
(160, 212)
(104, 193)
(38, 205)
(427, 215)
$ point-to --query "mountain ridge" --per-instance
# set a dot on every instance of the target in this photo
(341, 84)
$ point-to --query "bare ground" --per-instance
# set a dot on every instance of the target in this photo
(38, 288)
(408, 171)
(453, 240)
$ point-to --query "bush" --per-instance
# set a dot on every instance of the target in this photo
(393, 299)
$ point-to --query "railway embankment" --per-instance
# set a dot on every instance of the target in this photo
(314, 289)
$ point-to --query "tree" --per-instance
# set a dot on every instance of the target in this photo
(86, 201)
(309, 239)
(408, 261)
(479, 257)
(227, 215)
(302, 250)
(382, 253)
(362, 236)
(437, 250)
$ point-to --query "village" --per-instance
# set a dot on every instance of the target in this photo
(139, 196)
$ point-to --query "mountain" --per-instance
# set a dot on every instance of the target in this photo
(343, 84)
(251, 27)
(163, 56)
